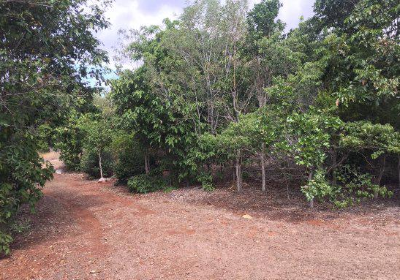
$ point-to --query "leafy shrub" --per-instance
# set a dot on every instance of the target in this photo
(318, 187)
(5, 240)
(129, 157)
(90, 163)
(355, 186)
(208, 187)
(21, 226)
(146, 183)
(169, 189)
(351, 188)
(128, 165)
(206, 182)
(22, 174)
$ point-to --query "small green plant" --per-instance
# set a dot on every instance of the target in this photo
(5, 240)
(352, 187)
(208, 187)
(206, 182)
(129, 157)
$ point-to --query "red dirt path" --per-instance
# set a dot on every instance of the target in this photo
(86, 230)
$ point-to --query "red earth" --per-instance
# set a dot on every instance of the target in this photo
(86, 230)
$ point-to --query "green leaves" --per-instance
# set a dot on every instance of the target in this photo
(377, 138)
(22, 177)
(318, 187)
(46, 50)
(146, 183)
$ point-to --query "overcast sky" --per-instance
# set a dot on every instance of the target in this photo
(126, 14)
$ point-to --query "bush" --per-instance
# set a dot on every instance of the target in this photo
(129, 156)
(130, 162)
(146, 183)
(206, 182)
(22, 175)
(90, 164)
(352, 187)
(355, 185)
(5, 240)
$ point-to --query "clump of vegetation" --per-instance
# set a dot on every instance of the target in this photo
(146, 183)
(129, 158)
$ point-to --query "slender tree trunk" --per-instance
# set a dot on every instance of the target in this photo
(147, 163)
(238, 172)
(381, 172)
(262, 158)
(100, 166)
(234, 173)
(310, 176)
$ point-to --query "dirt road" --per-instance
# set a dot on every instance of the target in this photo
(87, 230)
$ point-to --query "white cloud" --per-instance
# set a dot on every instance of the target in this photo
(127, 14)
(291, 11)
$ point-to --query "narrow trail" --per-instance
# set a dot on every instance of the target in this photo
(87, 230)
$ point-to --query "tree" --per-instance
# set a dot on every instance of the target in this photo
(332, 13)
(262, 19)
(98, 136)
(46, 49)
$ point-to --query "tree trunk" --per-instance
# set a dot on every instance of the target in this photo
(147, 163)
(381, 172)
(100, 167)
(262, 158)
(238, 172)
(310, 176)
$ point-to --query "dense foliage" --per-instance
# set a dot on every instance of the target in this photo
(225, 86)
(47, 48)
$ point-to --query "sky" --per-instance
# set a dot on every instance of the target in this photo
(128, 14)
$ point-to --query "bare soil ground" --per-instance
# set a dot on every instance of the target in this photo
(87, 230)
